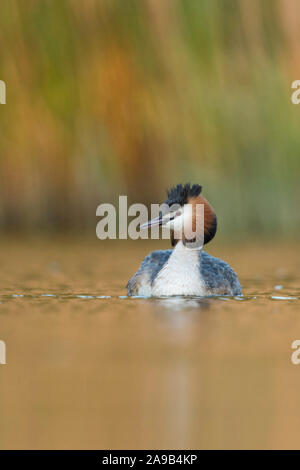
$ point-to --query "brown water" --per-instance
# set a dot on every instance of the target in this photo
(89, 371)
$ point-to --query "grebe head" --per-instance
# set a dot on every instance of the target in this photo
(180, 214)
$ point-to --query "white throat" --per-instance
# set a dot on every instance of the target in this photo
(181, 273)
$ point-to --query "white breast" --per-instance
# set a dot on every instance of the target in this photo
(180, 275)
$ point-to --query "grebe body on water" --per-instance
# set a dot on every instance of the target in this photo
(185, 270)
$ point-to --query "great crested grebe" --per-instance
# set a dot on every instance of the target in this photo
(184, 270)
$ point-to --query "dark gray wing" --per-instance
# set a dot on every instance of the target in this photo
(218, 276)
(148, 271)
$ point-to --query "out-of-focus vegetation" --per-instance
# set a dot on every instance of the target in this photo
(109, 97)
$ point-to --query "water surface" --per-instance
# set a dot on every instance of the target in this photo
(88, 367)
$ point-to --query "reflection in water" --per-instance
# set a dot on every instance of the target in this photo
(89, 367)
(179, 311)
(180, 304)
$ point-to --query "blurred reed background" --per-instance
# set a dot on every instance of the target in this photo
(109, 97)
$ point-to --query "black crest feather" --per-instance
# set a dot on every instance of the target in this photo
(181, 193)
